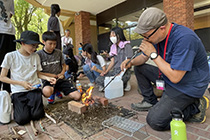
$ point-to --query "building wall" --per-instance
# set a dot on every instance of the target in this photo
(94, 37)
(202, 22)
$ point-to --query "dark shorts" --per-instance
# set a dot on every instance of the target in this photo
(27, 106)
(62, 85)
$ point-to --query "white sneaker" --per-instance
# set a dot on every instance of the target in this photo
(128, 86)
(100, 88)
(90, 84)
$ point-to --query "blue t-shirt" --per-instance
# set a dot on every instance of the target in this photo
(186, 52)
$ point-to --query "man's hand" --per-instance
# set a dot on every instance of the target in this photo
(147, 47)
(26, 85)
(124, 66)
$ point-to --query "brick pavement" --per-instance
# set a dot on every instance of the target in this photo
(195, 131)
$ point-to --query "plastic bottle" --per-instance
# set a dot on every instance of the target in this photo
(178, 127)
(36, 86)
(79, 87)
(115, 88)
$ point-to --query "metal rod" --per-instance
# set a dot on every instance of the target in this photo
(135, 54)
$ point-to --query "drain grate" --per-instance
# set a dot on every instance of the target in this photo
(123, 124)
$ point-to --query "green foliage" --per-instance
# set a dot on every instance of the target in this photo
(128, 32)
(28, 17)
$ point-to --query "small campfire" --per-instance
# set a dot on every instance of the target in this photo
(87, 99)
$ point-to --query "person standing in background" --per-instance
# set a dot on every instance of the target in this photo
(66, 40)
(55, 25)
(7, 33)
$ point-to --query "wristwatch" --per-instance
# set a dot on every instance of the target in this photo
(153, 55)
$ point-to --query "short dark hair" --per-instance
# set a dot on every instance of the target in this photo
(119, 33)
(48, 35)
(55, 9)
(67, 30)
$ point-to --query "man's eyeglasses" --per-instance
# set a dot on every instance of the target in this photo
(147, 37)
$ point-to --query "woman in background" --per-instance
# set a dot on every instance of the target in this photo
(119, 51)
(96, 66)
(55, 25)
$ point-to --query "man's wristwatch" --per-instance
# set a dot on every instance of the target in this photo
(153, 55)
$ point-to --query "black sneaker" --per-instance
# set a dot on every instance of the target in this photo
(203, 106)
(141, 106)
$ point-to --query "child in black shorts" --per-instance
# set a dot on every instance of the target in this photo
(52, 62)
(25, 69)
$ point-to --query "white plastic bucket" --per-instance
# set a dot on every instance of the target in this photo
(115, 88)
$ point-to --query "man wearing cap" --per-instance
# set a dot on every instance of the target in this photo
(25, 69)
(182, 70)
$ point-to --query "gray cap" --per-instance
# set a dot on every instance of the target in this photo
(151, 18)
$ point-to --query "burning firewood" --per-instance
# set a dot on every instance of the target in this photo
(87, 97)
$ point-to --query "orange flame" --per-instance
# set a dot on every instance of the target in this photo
(87, 97)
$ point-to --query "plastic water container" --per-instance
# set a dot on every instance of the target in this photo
(115, 88)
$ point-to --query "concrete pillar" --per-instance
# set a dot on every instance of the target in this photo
(180, 12)
(82, 29)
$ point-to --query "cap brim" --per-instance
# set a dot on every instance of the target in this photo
(28, 41)
(140, 31)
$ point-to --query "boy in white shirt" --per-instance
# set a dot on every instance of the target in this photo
(25, 69)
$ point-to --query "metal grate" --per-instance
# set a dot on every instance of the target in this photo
(122, 123)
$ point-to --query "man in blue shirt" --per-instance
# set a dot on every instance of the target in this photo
(182, 70)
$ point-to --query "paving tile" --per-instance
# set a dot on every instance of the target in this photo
(141, 135)
(191, 136)
(160, 134)
(101, 133)
(3, 128)
(114, 133)
(152, 138)
(198, 125)
(199, 132)
(69, 131)
(128, 138)
(202, 139)
(55, 131)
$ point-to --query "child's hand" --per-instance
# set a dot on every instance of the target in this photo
(60, 76)
(94, 68)
(103, 73)
(26, 85)
(52, 81)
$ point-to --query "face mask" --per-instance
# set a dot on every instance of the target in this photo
(113, 39)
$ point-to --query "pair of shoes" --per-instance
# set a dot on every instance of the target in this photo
(51, 99)
(128, 86)
(100, 88)
(203, 106)
(141, 106)
(91, 84)
(59, 95)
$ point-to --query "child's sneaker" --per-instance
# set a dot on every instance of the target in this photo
(203, 106)
(59, 95)
(51, 99)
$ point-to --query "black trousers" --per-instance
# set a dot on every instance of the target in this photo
(6, 45)
(27, 106)
(158, 116)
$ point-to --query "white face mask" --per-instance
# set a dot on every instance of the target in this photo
(113, 39)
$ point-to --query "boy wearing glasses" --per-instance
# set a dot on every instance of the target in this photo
(182, 70)
(25, 69)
